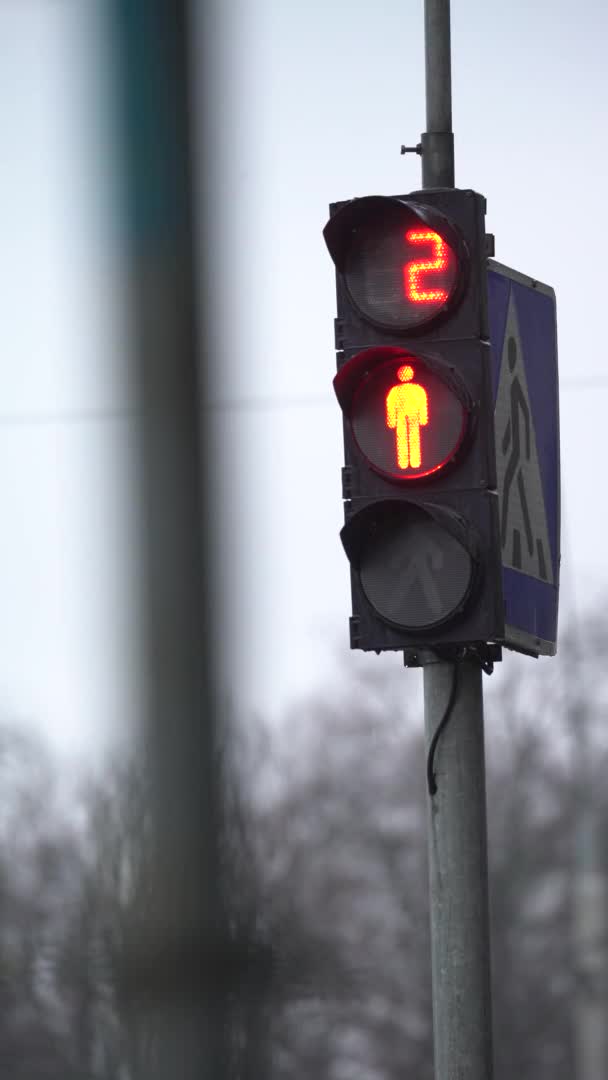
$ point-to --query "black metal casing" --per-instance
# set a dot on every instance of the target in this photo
(454, 344)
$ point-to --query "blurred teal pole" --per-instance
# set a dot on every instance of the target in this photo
(181, 989)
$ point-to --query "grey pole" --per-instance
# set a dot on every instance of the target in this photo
(460, 949)
(590, 894)
(438, 140)
(458, 868)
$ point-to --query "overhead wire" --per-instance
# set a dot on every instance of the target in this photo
(244, 404)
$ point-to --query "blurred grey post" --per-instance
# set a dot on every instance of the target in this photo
(590, 941)
(175, 970)
(590, 894)
(460, 939)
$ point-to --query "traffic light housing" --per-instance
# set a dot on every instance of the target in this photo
(414, 383)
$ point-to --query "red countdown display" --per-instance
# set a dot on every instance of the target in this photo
(429, 281)
(406, 420)
(400, 272)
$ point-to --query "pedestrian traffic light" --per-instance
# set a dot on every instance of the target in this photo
(414, 384)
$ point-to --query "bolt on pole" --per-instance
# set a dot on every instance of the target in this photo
(459, 912)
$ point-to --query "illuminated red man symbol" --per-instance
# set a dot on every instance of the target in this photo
(407, 410)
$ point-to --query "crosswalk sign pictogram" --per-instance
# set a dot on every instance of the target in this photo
(524, 362)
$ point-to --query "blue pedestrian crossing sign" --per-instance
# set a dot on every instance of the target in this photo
(523, 337)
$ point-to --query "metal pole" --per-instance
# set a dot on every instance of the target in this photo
(589, 896)
(458, 868)
(462, 1022)
(438, 140)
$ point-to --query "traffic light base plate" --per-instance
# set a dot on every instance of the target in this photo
(486, 654)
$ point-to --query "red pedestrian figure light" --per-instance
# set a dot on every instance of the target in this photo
(407, 410)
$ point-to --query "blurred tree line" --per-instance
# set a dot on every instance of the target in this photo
(324, 846)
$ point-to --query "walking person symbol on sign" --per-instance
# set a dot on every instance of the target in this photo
(513, 443)
(407, 410)
(523, 521)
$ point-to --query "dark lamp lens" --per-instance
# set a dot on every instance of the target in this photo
(415, 573)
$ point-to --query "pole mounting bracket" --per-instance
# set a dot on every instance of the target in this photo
(486, 654)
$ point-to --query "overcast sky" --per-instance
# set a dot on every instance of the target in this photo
(311, 102)
(317, 101)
